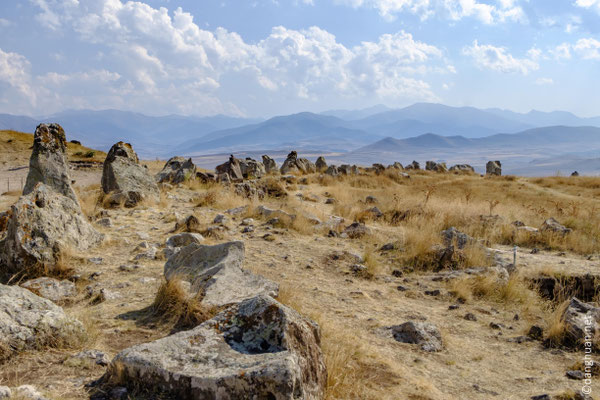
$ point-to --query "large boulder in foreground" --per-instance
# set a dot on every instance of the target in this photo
(177, 170)
(257, 349)
(28, 321)
(42, 224)
(48, 162)
(581, 320)
(215, 271)
(125, 179)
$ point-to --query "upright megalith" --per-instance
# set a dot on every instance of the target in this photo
(230, 170)
(270, 165)
(125, 179)
(40, 226)
(321, 164)
(48, 162)
(493, 168)
(294, 164)
(177, 170)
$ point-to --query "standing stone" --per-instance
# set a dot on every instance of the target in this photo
(294, 164)
(231, 169)
(465, 168)
(125, 179)
(257, 349)
(493, 168)
(40, 225)
(580, 320)
(252, 169)
(321, 164)
(332, 170)
(48, 163)
(270, 165)
(177, 170)
(413, 166)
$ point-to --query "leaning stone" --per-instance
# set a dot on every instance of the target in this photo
(257, 349)
(48, 163)
(52, 289)
(28, 321)
(40, 226)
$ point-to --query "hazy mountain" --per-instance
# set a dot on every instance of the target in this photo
(540, 118)
(298, 131)
(352, 115)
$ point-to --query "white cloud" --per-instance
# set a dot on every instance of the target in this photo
(14, 74)
(502, 11)
(593, 4)
(4, 23)
(562, 51)
(588, 49)
(498, 59)
(544, 81)
(156, 60)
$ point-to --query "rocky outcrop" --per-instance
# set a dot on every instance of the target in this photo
(413, 166)
(230, 170)
(493, 168)
(346, 169)
(270, 165)
(215, 271)
(52, 289)
(321, 164)
(581, 320)
(436, 167)
(42, 224)
(257, 349)
(464, 168)
(332, 170)
(125, 179)
(294, 164)
(28, 321)
(48, 162)
(553, 226)
(252, 169)
(177, 170)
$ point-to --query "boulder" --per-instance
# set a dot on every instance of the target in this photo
(206, 177)
(422, 333)
(40, 225)
(125, 179)
(252, 169)
(177, 170)
(332, 170)
(575, 173)
(453, 236)
(464, 168)
(230, 170)
(436, 167)
(215, 271)
(270, 165)
(48, 163)
(28, 321)
(356, 230)
(52, 289)
(378, 168)
(294, 164)
(271, 213)
(552, 225)
(321, 164)
(581, 320)
(257, 349)
(346, 169)
(493, 168)
(184, 239)
(413, 166)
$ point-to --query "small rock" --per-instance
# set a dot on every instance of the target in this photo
(29, 392)
(435, 292)
(118, 393)
(541, 397)
(5, 392)
(576, 375)
(97, 356)
(495, 325)
(401, 288)
(470, 317)
(220, 219)
(425, 334)
(96, 260)
(388, 247)
(453, 307)
(397, 273)
(106, 222)
(247, 221)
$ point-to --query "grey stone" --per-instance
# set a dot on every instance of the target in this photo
(216, 272)
(578, 317)
(356, 230)
(29, 392)
(462, 168)
(332, 170)
(422, 333)
(106, 222)
(321, 164)
(97, 356)
(295, 164)
(40, 225)
(493, 168)
(28, 321)
(48, 163)
(177, 170)
(552, 225)
(183, 239)
(5, 392)
(454, 236)
(252, 169)
(125, 179)
(230, 170)
(52, 289)
(257, 349)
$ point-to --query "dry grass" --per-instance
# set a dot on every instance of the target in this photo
(556, 330)
(515, 290)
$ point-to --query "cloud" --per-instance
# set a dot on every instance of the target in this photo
(588, 49)
(592, 4)
(14, 74)
(561, 52)
(498, 59)
(544, 81)
(502, 11)
(153, 59)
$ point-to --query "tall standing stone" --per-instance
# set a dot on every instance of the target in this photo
(48, 163)
(493, 168)
(270, 165)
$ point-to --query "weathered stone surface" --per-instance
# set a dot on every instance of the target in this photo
(425, 334)
(252, 169)
(493, 168)
(177, 170)
(231, 169)
(184, 239)
(48, 162)
(95, 356)
(356, 230)
(436, 167)
(42, 223)
(125, 179)
(29, 392)
(28, 321)
(552, 225)
(270, 165)
(216, 272)
(465, 168)
(295, 164)
(580, 318)
(257, 349)
(5, 392)
(332, 170)
(270, 213)
(453, 236)
(52, 289)
(413, 166)
(321, 164)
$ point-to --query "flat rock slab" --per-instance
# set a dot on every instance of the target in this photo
(51, 289)
(257, 349)
(28, 321)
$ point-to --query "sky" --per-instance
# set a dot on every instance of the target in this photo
(259, 58)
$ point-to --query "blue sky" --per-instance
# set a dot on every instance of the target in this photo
(270, 57)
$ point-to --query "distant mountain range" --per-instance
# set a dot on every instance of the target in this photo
(376, 134)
